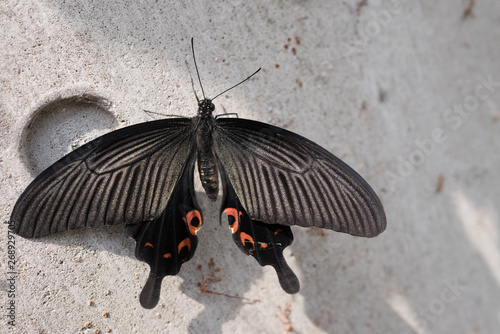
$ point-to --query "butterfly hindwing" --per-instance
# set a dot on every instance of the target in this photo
(125, 176)
(167, 242)
(265, 242)
(283, 178)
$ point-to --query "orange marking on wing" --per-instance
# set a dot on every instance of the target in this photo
(263, 245)
(245, 237)
(190, 216)
(278, 231)
(149, 245)
(184, 243)
(167, 256)
(234, 213)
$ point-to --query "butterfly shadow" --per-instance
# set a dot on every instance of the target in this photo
(103, 239)
(337, 288)
(361, 283)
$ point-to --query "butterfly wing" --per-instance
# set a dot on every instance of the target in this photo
(126, 176)
(170, 240)
(265, 242)
(283, 178)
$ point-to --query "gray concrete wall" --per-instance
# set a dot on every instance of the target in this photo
(406, 92)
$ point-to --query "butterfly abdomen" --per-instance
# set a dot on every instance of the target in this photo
(208, 174)
(207, 166)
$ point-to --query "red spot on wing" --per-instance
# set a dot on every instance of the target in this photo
(263, 245)
(184, 243)
(234, 213)
(148, 245)
(245, 237)
(193, 229)
(278, 231)
(167, 256)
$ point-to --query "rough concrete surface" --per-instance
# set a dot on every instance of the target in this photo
(406, 92)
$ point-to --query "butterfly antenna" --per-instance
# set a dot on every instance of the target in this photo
(197, 72)
(254, 73)
(192, 82)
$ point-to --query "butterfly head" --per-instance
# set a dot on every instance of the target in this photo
(205, 107)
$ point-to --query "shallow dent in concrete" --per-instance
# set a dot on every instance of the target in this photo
(61, 125)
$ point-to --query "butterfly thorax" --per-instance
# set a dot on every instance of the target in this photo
(207, 166)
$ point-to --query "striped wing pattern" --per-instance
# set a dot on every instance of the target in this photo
(126, 176)
(283, 178)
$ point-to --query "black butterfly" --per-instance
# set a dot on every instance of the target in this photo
(142, 176)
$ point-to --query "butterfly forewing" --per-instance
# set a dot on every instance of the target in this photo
(126, 176)
(283, 178)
